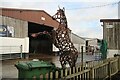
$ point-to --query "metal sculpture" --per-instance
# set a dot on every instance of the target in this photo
(68, 53)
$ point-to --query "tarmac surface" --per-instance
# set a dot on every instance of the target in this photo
(10, 71)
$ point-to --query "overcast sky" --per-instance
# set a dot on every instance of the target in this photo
(82, 15)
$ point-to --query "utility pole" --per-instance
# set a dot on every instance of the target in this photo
(119, 10)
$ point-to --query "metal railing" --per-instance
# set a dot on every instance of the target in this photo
(10, 52)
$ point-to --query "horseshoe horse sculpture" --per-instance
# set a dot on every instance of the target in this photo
(61, 39)
(68, 53)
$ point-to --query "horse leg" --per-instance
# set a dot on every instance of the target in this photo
(63, 61)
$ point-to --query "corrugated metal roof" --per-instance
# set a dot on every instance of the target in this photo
(78, 36)
(36, 16)
(77, 39)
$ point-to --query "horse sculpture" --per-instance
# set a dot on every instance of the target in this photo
(61, 39)
(68, 53)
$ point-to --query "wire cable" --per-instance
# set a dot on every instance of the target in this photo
(98, 6)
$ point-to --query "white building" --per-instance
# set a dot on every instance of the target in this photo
(78, 41)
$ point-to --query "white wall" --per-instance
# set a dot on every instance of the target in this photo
(93, 42)
(112, 52)
(12, 45)
(55, 48)
(76, 40)
(78, 47)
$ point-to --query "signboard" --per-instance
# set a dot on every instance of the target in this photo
(109, 26)
(6, 31)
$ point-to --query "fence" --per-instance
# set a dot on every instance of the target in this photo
(92, 50)
(10, 52)
(96, 70)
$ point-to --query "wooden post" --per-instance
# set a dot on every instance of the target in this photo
(118, 63)
(92, 74)
(109, 70)
(66, 72)
(51, 75)
(47, 76)
(56, 74)
(41, 77)
(77, 72)
(61, 74)
(82, 57)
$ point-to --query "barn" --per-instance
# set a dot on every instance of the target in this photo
(20, 24)
(111, 33)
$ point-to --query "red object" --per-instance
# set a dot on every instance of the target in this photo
(34, 35)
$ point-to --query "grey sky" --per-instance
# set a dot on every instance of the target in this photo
(83, 22)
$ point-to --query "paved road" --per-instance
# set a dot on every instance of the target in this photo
(10, 71)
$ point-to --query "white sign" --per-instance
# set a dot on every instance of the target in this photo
(43, 18)
(109, 26)
(11, 30)
(6, 31)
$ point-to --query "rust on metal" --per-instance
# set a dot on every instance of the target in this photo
(68, 53)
